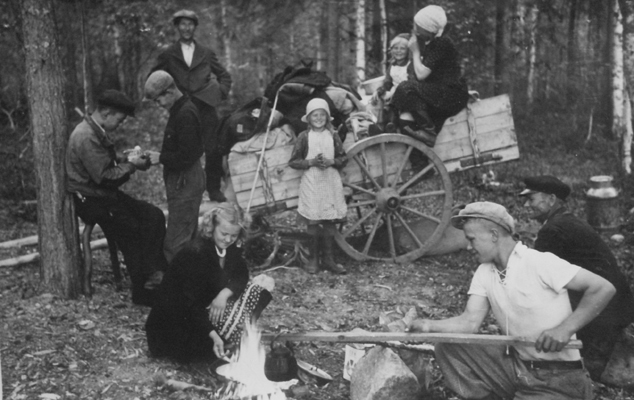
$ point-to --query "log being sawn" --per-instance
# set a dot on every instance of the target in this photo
(415, 337)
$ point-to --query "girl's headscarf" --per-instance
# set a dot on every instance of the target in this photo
(401, 38)
(432, 19)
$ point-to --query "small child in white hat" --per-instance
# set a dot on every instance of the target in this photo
(319, 152)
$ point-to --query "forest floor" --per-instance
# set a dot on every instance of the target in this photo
(95, 348)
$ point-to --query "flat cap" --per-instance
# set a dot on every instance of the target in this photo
(486, 210)
(546, 184)
(185, 14)
(157, 83)
(116, 100)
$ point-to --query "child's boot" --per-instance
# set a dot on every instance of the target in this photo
(312, 267)
(328, 261)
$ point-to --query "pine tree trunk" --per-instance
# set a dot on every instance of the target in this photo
(533, 16)
(57, 225)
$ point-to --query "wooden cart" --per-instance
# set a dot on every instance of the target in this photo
(386, 198)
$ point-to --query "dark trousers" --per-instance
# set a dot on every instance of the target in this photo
(213, 153)
(137, 227)
(488, 372)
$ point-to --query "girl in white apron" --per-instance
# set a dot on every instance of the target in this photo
(319, 152)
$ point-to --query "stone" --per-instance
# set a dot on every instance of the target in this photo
(382, 375)
(620, 368)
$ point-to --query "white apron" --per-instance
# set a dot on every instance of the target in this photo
(321, 190)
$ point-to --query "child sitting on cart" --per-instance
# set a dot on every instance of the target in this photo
(396, 73)
(319, 152)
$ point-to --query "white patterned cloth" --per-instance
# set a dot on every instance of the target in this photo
(321, 190)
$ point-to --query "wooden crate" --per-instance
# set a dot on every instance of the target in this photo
(484, 131)
(486, 125)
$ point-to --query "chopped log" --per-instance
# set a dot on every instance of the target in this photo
(32, 240)
(381, 337)
(28, 258)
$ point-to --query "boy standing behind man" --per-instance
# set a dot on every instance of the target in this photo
(180, 155)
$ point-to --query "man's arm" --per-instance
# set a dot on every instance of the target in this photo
(224, 78)
(469, 321)
(597, 292)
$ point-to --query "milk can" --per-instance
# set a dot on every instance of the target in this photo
(602, 203)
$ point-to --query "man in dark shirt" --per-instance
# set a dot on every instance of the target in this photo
(180, 155)
(199, 75)
(575, 241)
(94, 174)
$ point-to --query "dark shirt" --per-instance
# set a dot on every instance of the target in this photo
(193, 280)
(182, 143)
(575, 241)
(92, 166)
(441, 57)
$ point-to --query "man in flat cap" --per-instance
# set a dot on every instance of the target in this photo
(527, 291)
(180, 155)
(94, 174)
(198, 74)
(577, 242)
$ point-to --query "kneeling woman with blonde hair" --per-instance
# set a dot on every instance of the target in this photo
(205, 297)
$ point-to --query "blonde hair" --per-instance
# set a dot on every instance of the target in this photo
(229, 212)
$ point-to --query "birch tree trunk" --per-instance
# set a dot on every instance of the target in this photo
(360, 49)
(499, 46)
(57, 226)
(626, 141)
(384, 36)
(618, 84)
(533, 16)
(627, 11)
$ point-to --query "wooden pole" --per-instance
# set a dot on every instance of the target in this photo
(382, 337)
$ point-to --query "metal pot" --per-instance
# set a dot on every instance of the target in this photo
(280, 364)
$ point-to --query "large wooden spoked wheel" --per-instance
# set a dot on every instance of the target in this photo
(390, 202)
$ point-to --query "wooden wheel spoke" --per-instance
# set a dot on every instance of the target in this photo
(424, 194)
(384, 164)
(420, 214)
(415, 178)
(366, 248)
(390, 233)
(362, 203)
(359, 189)
(402, 166)
(356, 224)
(408, 229)
(364, 169)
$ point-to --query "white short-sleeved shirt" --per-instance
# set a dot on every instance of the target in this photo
(531, 299)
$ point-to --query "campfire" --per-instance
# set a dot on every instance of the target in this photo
(245, 372)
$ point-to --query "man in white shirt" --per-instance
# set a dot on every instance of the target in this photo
(529, 298)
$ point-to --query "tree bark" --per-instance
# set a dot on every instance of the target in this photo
(627, 12)
(500, 11)
(360, 49)
(618, 84)
(533, 16)
(57, 225)
(384, 36)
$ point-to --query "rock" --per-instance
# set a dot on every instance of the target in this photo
(419, 364)
(382, 375)
(620, 368)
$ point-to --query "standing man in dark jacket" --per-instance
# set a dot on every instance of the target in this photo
(198, 74)
(95, 172)
(575, 241)
(180, 155)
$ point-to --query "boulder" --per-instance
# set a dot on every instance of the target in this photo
(620, 368)
(382, 375)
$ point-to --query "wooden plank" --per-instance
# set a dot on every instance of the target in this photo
(492, 105)
(482, 125)
(240, 163)
(487, 142)
(381, 337)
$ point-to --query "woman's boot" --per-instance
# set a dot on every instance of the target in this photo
(328, 260)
